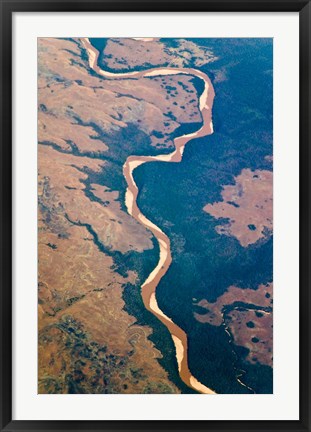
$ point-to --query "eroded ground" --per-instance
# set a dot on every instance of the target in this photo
(91, 252)
(87, 126)
(129, 53)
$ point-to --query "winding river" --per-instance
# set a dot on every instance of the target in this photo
(149, 286)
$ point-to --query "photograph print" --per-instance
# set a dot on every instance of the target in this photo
(155, 215)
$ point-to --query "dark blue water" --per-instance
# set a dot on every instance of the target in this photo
(99, 43)
(205, 264)
(173, 196)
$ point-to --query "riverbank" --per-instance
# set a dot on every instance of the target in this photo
(149, 286)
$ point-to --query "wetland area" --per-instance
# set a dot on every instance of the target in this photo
(156, 228)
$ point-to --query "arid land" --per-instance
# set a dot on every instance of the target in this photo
(83, 226)
(100, 116)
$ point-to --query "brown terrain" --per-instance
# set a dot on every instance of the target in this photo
(132, 162)
(72, 94)
(88, 126)
(129, 53)
(247, 315)
(248, 205)
(253, 330)
(88, 342)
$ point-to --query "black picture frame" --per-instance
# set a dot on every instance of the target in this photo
(7, 10)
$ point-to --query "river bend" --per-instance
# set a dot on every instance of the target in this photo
(148, 289)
